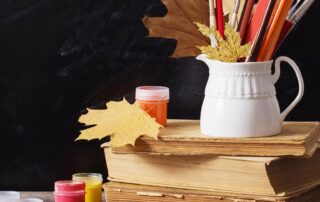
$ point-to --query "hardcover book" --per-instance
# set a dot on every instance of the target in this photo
(132, 192)
(183, 137)
(262, 176)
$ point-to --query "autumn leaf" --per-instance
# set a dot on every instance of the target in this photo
(228, 50)
(206, 31)
(178, 24)
(123, 121)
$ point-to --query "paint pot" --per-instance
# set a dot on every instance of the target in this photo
(8, 195)
(154, 100)
(69, 191)
(93, 185)
(26, 200)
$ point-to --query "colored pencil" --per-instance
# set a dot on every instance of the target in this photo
(245, 17)
(220, 17)
(256, 45)
(272, 36)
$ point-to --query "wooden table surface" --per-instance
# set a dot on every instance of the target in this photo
(45, 196)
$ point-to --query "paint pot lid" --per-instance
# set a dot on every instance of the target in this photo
(9, 195)
(88, 177)
(69, 186)
(152, 93)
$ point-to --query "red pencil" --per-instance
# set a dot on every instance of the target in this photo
(220, 18)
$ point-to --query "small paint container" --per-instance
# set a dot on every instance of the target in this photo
(93, 185)
(69, 191)
(154, 100)
(8, 195)
(27, 200)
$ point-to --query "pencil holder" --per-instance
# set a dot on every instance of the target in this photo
(240, 99)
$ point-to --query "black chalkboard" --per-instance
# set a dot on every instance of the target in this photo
(59, 57)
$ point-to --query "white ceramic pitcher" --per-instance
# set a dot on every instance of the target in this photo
(240, 99)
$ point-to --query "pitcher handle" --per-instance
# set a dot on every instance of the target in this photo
(276, 76)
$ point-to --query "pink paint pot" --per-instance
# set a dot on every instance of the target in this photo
(69, 191)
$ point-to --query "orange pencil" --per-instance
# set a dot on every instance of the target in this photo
(276, 6)
(270, 41)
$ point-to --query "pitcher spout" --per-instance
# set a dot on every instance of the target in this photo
(203, 58)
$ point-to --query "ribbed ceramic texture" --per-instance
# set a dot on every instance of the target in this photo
(240, 85)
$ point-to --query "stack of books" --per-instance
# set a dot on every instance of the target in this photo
(184, 165)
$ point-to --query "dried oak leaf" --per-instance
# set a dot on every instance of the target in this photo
(228, 50)
(123, 121)
(178, 24)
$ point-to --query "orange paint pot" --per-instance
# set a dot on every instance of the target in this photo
(154, 100)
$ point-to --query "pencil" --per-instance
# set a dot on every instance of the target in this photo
(245, 17)
(272, 36)
(220, 20)
(261, 32)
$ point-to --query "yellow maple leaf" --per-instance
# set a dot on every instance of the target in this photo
(228, 50)
(206, 31)
(123, 121)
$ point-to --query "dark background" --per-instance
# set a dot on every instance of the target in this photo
(58, 57)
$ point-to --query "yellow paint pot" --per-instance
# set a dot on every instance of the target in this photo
(93, 183)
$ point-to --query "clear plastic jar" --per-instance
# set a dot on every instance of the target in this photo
(93, 185)
(154, 100)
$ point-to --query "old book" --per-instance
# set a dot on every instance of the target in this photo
(183, 137)
(263, 176)
(133, 192)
